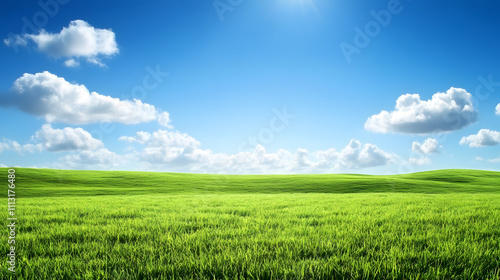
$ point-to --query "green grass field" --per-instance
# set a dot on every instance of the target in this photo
(140, 225)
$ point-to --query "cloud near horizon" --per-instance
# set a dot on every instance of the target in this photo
(419, 160)
(84, 150)
(165, 150)
(100, 158)
(444, 112)
(78, 40)
(179, 151)
(11, 145)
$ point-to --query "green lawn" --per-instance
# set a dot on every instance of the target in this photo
(136, 225)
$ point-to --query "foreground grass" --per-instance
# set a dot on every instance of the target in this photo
(219, 233)
(260, 236)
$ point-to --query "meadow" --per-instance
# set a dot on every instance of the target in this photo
(441, 224)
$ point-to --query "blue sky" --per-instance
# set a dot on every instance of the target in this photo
(276, 86)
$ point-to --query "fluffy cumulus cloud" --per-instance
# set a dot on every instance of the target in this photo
(483, 138)
(57, 100)
(356, 156)
(78, 40)
(66, 139)
(444, 112)
(497, 109)
(172, 150)
(430, 146)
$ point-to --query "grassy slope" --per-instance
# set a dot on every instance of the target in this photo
(47, 182)
(255, 227)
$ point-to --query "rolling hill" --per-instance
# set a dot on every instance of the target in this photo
(51, 182)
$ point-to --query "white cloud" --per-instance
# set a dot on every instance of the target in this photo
(66, 139)
(419, 161)
(55, 140)
(10, 145)
(32, 148)
(175, 151)
(445, 112)
(165, 146)
(356, 156)
(71, 63)
(78, 40)
(164, 120)
(495, 160)
(56, 100)
(483, 138)
(140, 137)
(4, 146)
(430, 146)
(497, 109)
(94, 159)
(85, 151)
